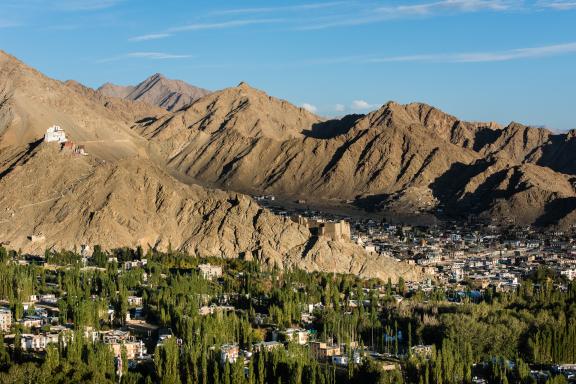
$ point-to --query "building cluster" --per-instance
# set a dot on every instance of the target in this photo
(40, 325)
(326, 352)
(55, 134)
(483, 253)
(74, 149)
(452, 255)
(41, 329)
(482, 256)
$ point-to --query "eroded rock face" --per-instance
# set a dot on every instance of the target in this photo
(403, 158)
(120, 196)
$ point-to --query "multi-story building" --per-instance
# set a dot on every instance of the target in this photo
(324, 351)
(134, 301)
(118, 339)
(30, 342)
(134, 348)
(210, 271)
(5, 319)
(299, 336)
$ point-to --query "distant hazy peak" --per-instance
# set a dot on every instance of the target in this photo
(157, 90)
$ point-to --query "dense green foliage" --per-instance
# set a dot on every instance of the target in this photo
(499, 336)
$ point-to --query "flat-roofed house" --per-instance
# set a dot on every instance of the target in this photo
(5, 319)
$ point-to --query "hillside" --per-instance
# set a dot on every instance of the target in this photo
(402, 158)
(117, 195)
(157, 90)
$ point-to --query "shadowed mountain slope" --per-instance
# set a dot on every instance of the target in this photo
(119, 195)
(396, 158)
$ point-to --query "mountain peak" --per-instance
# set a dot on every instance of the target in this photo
(392, 104)
(247, 111)
(244, 85)
(158, 90)
(155, 78)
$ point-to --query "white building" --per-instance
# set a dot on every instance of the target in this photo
(569, 273)
(210, 271)
(30, 342)
(134, 301)
(32, 322)
(5, 319)
(55, 134)
(37, 238)
(135, 264)
(299, 336)
(370, 248)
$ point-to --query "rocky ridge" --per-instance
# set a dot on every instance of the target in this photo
(402, 158)
(120, 195)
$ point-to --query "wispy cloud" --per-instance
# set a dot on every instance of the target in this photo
(32, 8)
(151, 36)
(480, 57)
(449, 5)
(204, 26)
(223, 25)
(351, 13)
(287, 8)
(146, 55)
(33, 13)
(83, 5)
(369, 15)
(309, 107)
(361, 105)
(558, 5)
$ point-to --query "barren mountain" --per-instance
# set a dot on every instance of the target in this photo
(157, 90)
(119, 196)
(404, 158)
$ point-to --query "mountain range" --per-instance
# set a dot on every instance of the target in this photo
(176, 176)
(122, 193)
(405, 159)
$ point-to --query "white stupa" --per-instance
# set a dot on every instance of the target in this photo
(55, 134)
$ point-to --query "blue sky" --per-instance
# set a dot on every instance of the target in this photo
(495, 60)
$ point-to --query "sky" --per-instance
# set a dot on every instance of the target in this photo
(480, 60)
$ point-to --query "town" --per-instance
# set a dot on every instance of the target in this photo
(141, 304)
(475, 253)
